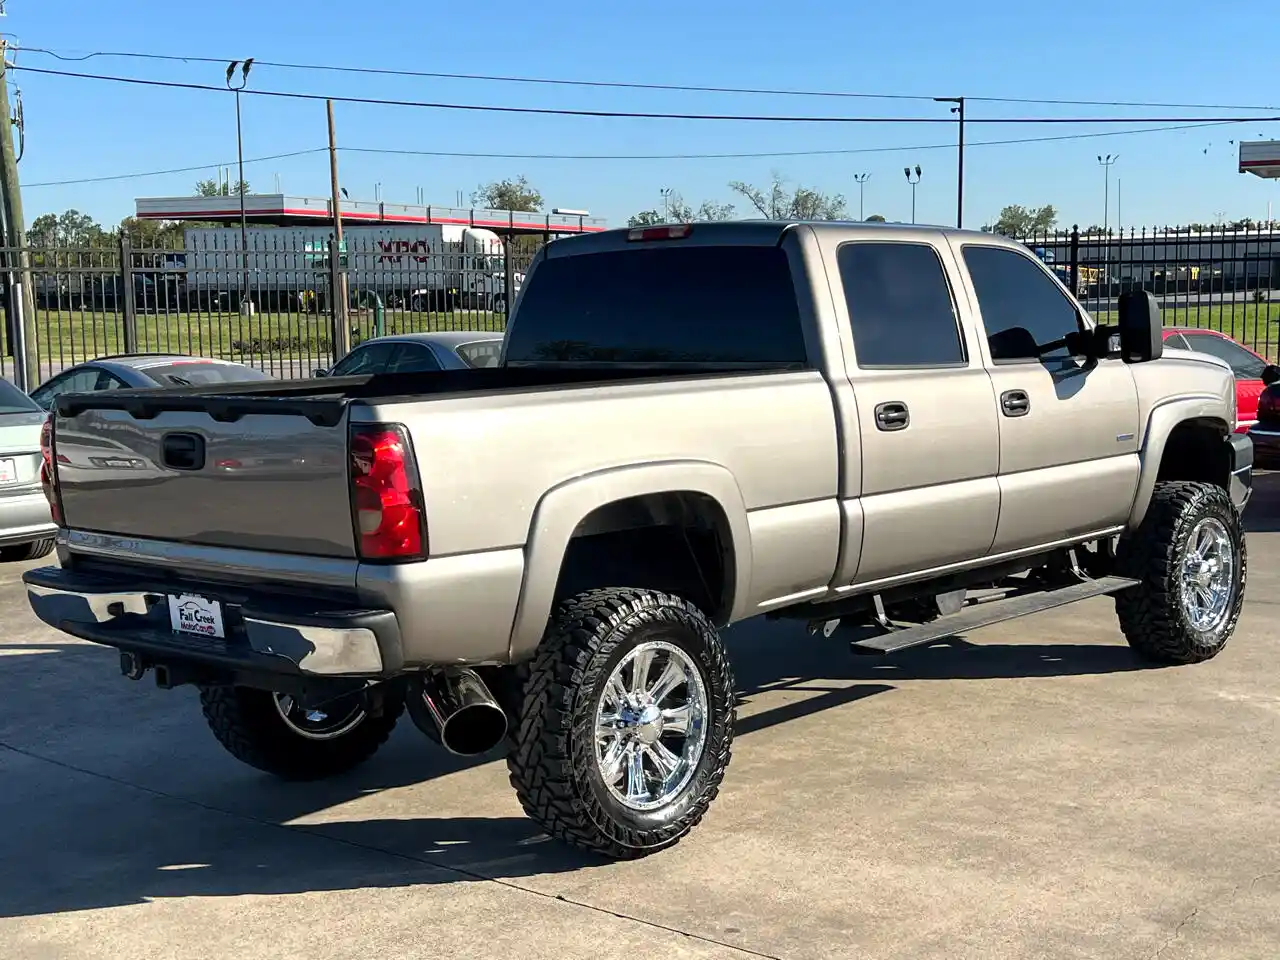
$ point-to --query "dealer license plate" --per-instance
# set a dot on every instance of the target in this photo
(8, 470)
(190, 613)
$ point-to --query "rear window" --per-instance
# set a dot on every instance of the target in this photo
(13, 400)
(661, 304)
(480, 353)
(190, 374)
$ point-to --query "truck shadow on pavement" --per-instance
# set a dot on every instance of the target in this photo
(116, 793)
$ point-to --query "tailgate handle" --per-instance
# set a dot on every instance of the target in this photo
(182, 451)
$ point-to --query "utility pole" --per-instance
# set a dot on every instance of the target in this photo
(958, 109)
(19, 287)
(246, 298)
(341, 331)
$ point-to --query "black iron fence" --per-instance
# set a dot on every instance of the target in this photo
(1221, 279)
(278, 306)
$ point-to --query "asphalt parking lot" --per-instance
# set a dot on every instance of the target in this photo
(1031, 793)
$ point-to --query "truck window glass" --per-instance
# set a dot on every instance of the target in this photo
(1243, 363)
(1022, 308)
(662, 304)
(900, 306)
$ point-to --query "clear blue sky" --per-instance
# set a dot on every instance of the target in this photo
(1175, 51)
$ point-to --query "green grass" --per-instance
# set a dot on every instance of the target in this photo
(73, 335)
(1256, 325)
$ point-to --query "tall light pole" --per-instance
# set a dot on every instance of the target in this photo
(908, 172)
(666, 202)
(958, 109)
(1106, 163)
(861, 180)
(244, 231)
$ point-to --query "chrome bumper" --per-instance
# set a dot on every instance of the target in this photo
(274, 639)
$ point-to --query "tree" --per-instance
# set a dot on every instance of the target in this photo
(509, 194)
(212, 188)
(1020, 222)
(152, 233)
(680, 212)
(68, 229)
(876, 218)
(780, 203)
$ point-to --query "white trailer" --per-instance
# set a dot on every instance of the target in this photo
(423, 266)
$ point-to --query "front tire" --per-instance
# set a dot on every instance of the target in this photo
(273, 733)
(627, 723)
(1190, 555)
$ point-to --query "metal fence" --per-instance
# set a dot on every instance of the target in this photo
(1221, 279)
(273, 307)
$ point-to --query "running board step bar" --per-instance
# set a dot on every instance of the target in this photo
(985, 614)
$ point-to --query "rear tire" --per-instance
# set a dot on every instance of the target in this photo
(259, 728)
(649, 670)
(27, 551)
(1190, 555)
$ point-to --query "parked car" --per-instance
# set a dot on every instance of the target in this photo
(1252, 372)
(418, 352)
(1265, 434)
(26, 524)
(141, 370)
(692, 425)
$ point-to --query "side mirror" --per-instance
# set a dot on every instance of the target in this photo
(1141, 329)
(319, 373)
(1270, 374)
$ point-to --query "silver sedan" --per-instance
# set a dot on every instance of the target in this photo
(419, 352)
(26, 524)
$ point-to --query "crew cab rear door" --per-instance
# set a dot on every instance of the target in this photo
(1068, 426)
(926, 413)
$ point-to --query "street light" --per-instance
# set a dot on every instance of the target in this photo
(1106, 163)
(244, 232)
(861, 180)
(958, 109)
(908, 171)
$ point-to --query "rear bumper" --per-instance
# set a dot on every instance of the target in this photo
(1241, 484)
(263, 635)
(24, 518)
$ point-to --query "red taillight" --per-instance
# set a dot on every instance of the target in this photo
(48, 475)
(675, 231)
(1267, 407)
(386, 500)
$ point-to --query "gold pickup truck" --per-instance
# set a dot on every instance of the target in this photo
(863, 427)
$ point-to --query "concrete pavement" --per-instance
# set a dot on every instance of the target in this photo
(1032, 793)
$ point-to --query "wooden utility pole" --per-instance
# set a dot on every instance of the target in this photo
(341, 328)
(15, 235)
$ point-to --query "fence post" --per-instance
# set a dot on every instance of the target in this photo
(341, 344)
(1075, 259)
(130, 317)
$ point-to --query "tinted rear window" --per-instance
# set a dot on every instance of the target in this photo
(13, 400)
(661, 304)
(182, 374)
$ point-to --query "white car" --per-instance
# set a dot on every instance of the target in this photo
(26, 523)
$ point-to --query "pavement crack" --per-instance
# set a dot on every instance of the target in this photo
(1177, 932)
(319, 833)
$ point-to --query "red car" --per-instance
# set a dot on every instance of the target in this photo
(1245, 364)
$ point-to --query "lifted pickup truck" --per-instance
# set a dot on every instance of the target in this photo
(907, 431)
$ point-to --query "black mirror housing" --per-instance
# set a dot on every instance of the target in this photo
(319, 373)
(1141, 328)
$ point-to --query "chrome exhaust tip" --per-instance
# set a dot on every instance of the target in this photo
(454, 707)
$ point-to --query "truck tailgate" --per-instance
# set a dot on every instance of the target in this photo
(260, 481)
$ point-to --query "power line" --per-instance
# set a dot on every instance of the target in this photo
(637, 115)
(397, 151)
(159, 173)
(628, 85)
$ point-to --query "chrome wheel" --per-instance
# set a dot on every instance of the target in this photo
(1208, 573)
(317, 724)
(651, 725)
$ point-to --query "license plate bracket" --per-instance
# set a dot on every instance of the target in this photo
(190, 613)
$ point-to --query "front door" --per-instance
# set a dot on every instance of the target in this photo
(1068, 427)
